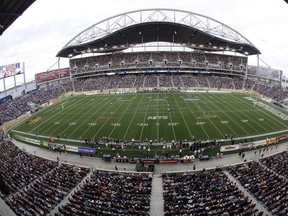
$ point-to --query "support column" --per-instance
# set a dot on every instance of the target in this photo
(15, 87)
(4, 87)
(25, 84)
(59, 70)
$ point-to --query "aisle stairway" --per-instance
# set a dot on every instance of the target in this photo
(157, 202)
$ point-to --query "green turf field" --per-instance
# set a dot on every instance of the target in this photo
(156, 116)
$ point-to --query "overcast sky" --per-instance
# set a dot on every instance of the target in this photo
(47, 25)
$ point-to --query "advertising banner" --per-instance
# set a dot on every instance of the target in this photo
(86, 150)
(29, 140)
(229, 148)
(52, 75)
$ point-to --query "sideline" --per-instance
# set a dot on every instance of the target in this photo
(98, 163)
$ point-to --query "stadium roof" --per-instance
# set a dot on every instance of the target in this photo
(10, 10)
(184, 28)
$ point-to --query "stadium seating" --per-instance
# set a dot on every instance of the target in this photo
(267, 186)
(203, 193)
(111, 193)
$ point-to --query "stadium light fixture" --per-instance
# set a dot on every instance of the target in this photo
(221, 48)
(70, 55)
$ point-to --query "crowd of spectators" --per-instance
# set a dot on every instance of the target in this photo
(204, 193)
(158, 59)
(12, 109)
(43, 194)
(111, 193)
(278, 163)
(35, 185)
(265, 185)
(19, 168)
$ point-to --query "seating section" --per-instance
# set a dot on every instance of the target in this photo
(278, 163)
(265, 185)
(19, 168)
(169, 60)
(36, 185)
(204, 193)
(41, 196)
(111, 193)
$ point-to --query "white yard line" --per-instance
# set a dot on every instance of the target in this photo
(144, 120)
(221, 118)
(132, 118)
(94, 113)
(265, 113)
(248, 118)
(191, 135)
(57, 113)
(196, 119)
(172, 124)
(124, 112)
(72, 119)
(232, 120)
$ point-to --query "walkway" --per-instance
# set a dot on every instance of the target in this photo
(157, 201)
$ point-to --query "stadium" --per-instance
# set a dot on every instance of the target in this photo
(147, 120)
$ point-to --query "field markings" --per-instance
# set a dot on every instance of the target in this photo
(145, 116)
(196, 119)
(245, 120)
(211, 120)
(157, 124)
(250, 119)
(132, 118)
(266, 114)
(95, 113)
(108, 119)
(228, 116)
(183, 118)
(72, 118)
(71, 105)
(124, 112)
(64, 120)
(172, 125)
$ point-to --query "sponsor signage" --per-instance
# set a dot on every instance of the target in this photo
(86, 150)
(229, 148)
(52, 75)
(29, 140)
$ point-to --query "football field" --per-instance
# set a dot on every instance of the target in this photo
(157, 116)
